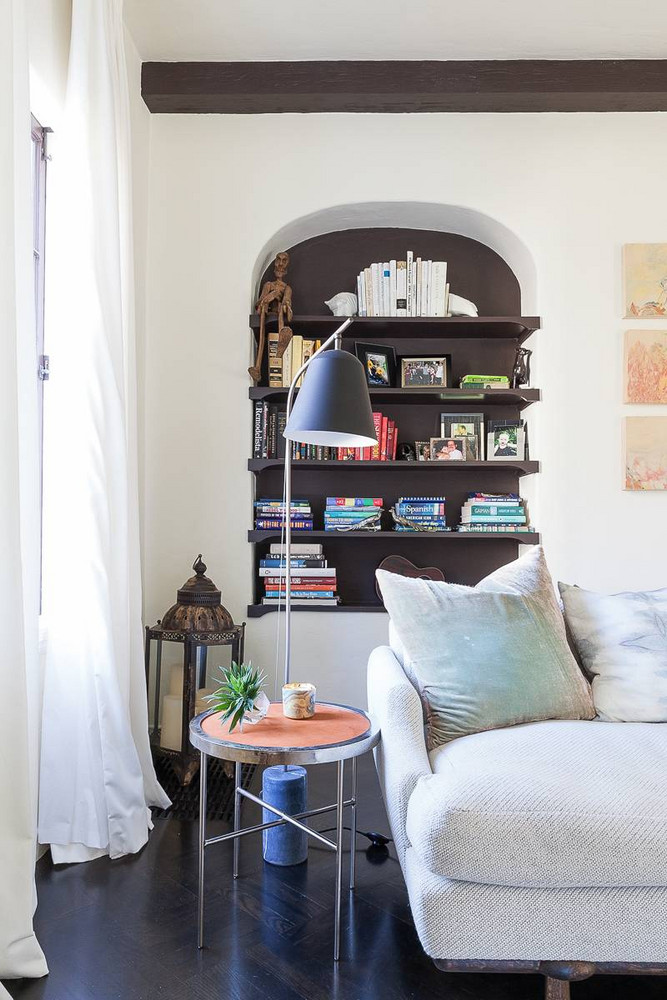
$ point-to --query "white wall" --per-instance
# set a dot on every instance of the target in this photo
(572, 188)
(49, 23)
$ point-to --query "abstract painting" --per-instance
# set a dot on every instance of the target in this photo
(645, 368)
(645, 270)
(646, 453)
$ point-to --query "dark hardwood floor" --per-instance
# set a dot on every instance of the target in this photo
(127, 929)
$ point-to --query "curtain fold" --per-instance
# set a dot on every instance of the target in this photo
(96, 773)
(20, 954)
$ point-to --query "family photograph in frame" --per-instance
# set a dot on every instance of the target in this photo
(458, 425)
(425, 373)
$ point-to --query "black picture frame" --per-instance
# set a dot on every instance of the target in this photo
(378, 376)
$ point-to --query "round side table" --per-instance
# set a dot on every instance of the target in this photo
(336, 733)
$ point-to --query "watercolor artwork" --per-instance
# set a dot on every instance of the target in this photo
(645, 272)
(645, 366)
(646, 453)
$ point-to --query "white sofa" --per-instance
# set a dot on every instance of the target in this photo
(535, 848)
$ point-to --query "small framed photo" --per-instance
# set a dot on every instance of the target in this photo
(471, 447)
(506, 444)
(379, 363)
(448, 449)
(463, 425)
(425, 373)
(423, 450)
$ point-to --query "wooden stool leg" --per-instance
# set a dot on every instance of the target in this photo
(556, 989)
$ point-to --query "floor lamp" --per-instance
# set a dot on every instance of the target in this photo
(332, 409)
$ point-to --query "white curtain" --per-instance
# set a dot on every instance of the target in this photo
(96, 774)
(20, 954)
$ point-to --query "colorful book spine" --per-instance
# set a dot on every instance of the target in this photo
(301, 593)
(275, 363)
(420, 508)
(489, 509)
(354, 501)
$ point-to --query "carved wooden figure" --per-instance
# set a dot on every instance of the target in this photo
(275, 297)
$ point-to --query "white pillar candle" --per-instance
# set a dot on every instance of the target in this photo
(172, 715)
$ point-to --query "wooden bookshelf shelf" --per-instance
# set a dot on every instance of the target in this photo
(319, 268)
(521, 537)
(526, 468)
(519, 398)
(259, 610)
(515, 328)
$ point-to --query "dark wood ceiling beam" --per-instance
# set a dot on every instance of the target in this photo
(390, 87)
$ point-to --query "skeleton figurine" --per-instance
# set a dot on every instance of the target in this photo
(521, 370)
(275, 297)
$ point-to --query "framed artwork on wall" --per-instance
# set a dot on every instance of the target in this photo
(645, 366)
(645, 280)
(645, 453)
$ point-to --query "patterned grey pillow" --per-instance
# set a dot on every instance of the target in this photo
(622, 642)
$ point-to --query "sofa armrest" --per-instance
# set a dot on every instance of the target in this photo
(401, 758)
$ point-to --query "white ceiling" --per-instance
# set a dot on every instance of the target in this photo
(397, 29)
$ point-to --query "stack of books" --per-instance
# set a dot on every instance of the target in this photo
(420, 514)
(410, 287)
(353, 514)
(484, 382)
(313, 452)
(494, 512)
(270, 515)
(384, 451)
(313, 581)
(282, 370)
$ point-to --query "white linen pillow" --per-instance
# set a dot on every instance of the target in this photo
(621, 640)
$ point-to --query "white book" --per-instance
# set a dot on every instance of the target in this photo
(414, 288)
(361, 298)
(439, 287)
(307, 602)
(298, 549)
(429, 294)
(401, 289)
(287, 365)
(409, 258)
(386, 289)
(418, 292)
(368, 290)
(298, 571)
(377, 293)
(392, 287)
(447, 299)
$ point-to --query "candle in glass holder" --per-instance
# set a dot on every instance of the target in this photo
(298, 700)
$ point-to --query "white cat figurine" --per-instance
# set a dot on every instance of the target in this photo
(343, 304)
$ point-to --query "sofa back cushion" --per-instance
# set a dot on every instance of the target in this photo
(621, 640)
(484, 659)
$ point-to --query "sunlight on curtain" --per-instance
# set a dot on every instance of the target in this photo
(20, 954)
(96, 776)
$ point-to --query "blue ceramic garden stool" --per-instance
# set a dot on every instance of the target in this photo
(286, 788)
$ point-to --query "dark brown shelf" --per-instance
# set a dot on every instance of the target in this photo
(526, 537)
(259, 610)
(517, 328)
(521, 398)
(522, 468)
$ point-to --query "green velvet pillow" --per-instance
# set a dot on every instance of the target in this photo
(484, 660)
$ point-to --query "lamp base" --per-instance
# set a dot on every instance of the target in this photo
(286, 788)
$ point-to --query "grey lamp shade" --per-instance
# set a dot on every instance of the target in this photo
(333, 407)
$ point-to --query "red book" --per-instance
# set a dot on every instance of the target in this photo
(391, 434)
(383, 439)
(377, 423)
(395, 443)
(330, 585)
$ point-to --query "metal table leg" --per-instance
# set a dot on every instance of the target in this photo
(202, 843)
(339, 858)
(237, 816)
(353, 826)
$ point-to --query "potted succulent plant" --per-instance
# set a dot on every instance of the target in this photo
(240, 697)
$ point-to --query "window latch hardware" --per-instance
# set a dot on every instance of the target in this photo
(44, 368)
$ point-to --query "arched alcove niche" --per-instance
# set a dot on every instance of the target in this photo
(488, 263)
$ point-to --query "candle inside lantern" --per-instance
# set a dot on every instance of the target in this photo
(298, 700)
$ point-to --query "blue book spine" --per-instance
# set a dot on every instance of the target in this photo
(301, 594)
(405, 509)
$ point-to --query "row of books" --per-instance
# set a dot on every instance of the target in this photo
(420, 514)
(270, 515)
(313, 581)
(353, 514)
(283, 370)
(268, 441)
(410, 287)
(494, 512)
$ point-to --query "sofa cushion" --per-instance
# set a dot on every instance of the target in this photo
(548, 804)
(484, 659)
(621, 640)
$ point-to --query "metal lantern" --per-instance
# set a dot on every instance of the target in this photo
(197, 621)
